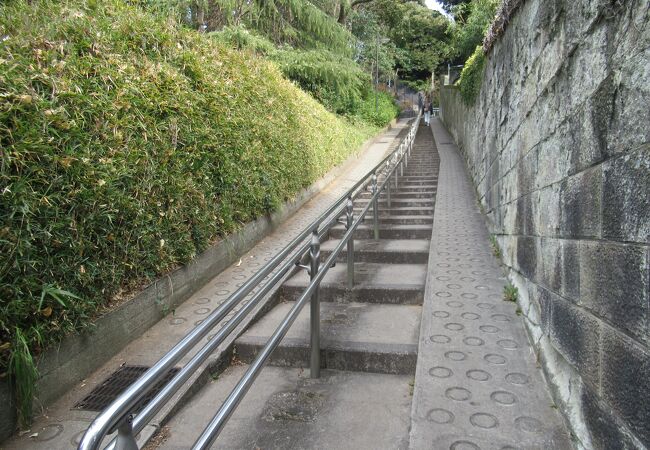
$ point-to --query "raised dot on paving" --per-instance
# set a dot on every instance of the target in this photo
(458, 393)
(456, 356)
(517, 378)
(500, 318)
(454, 326)
(470, 316)
(489, 329)
(478, 375)
(503, 398)
(440, 372)
(441, 416)
(473, 341)
(483, 420)
(464, 445)
(507, 344)
(440, 339)
(529, 424)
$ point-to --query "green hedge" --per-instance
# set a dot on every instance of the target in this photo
(130, 145)
(337, 82)
(380, 112)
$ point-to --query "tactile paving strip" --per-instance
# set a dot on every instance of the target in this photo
(477, 384)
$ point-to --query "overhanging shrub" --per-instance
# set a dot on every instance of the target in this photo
(472, 76)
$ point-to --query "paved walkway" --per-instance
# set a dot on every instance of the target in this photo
(477, 385)
(61, 426)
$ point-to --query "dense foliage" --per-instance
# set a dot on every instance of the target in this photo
(409, 39)
(472, 76)
(299, 23)
(128, 146)
(473, 21)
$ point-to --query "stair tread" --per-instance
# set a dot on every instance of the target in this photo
(369, 275)
(383, 226)
(383, 245)
(365, 327)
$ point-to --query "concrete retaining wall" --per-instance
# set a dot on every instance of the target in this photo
(558, 146)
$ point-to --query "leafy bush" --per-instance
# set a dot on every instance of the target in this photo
(243, 39)
(386, 109)
(337, 82)
(472, 76)
(129, 145)
(475, 18)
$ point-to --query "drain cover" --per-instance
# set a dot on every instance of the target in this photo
(113, 386)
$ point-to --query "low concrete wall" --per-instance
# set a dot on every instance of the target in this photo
(62, 367)
(558, 146)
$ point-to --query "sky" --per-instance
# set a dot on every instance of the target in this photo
(434, 4)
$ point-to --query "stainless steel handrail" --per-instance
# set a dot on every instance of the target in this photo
(117, 416)
(217, 423)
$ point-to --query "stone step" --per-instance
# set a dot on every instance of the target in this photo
(286, 409)
(401, 195)
(399, 202)
(418, 177)
(357, 337)
(387, 251)
(406, 211)
(419, 188)
(386, 231)
(403, 181)
(373, 283)
(403, 219)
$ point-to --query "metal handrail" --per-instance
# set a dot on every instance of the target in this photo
(217, 423)
(117, 416)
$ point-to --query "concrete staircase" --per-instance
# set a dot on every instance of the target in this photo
(369, 338)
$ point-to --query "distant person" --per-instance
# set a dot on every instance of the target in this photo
(427, 112)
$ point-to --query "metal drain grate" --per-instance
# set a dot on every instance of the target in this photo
(113, 386)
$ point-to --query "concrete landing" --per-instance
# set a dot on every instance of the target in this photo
(374, 283)
(477, 384)
(354, 336)
(287, 410)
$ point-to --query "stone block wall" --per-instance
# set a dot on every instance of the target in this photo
(558, 146)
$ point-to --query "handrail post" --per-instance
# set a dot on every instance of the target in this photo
(399, 161)
(375, 206)
(125, 439)
(349, 215)
(314, 260)
(388, 191)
